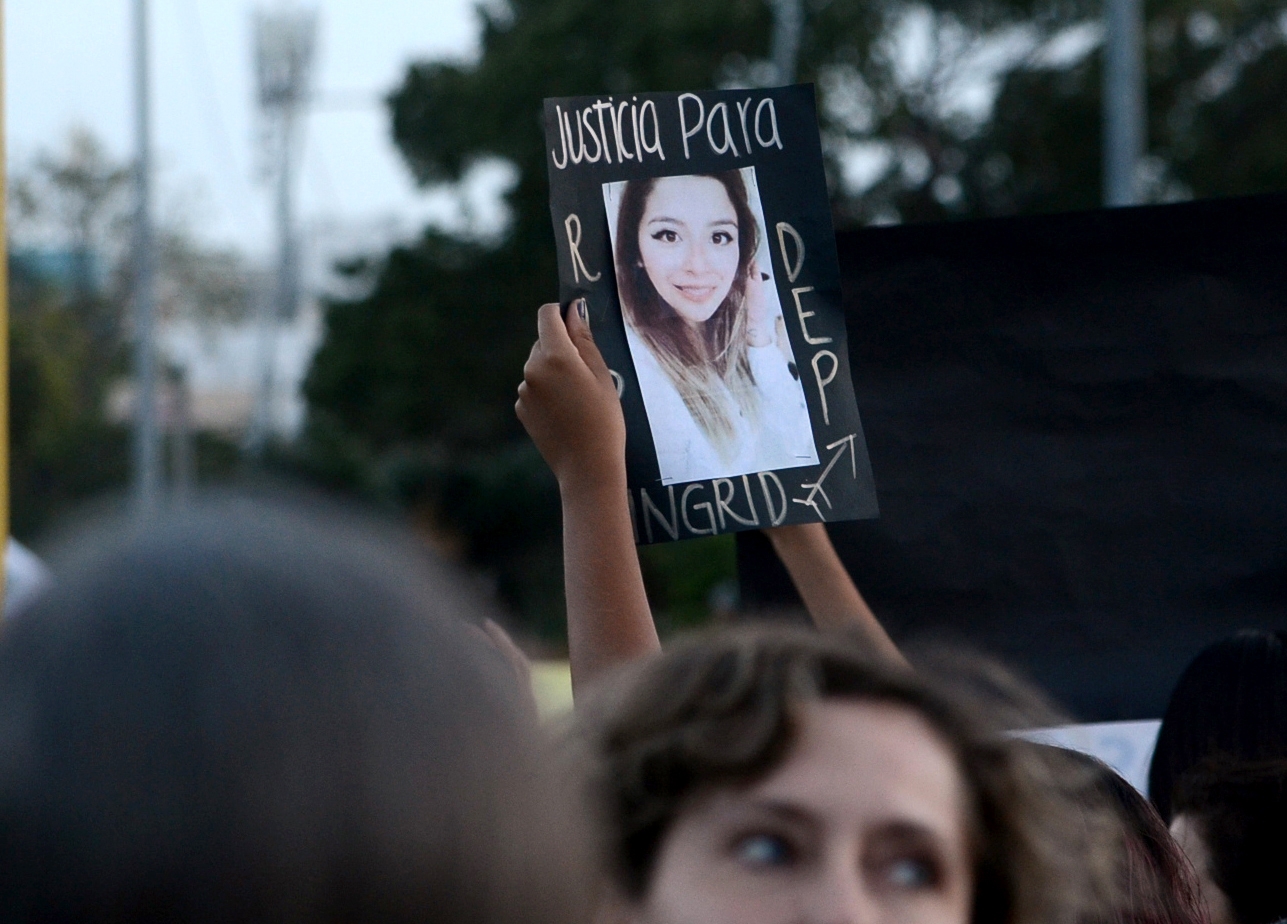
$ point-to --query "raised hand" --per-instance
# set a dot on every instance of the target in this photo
(568, 403)
(760, 317)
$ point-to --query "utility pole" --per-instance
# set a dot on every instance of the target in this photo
(1123, 100)
(147, 455)
(284, 43)
(788, 21)
(182, 461)
(4, 336)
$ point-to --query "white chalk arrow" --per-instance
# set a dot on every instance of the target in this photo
(814, 488)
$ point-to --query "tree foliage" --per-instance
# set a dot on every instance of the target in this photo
(929, 110)
(70, 329)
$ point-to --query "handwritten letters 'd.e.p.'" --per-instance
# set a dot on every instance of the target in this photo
(697, 227)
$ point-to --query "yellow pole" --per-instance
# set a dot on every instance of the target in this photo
(4, 328)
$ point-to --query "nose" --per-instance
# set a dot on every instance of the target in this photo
(840, 896)
(696, 258)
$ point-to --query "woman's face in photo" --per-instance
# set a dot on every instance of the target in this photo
(864, 823)
(688, 241)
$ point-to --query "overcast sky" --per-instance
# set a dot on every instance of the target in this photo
(68, 63)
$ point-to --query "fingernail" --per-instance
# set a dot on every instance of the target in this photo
(580, 309)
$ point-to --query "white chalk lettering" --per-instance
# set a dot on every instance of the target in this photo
(799, 310)
(683, 122)
(646, 507)
(784, 229)
(572, 225)
(750, 501)
(774, 138)
(649, 109)
(634, 121)
(575, 156)
(824, 381)
(845, 444)
(598, 107)
(703, 506)
(618, 114)
(741, 115)
(726, 143)
(563, 140)
(589, 129)
(630, 129)
(722, 504)
(775, 516)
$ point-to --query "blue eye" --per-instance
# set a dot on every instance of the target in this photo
(910, 873)
(763, 850)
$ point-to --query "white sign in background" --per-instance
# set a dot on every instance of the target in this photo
(1127, 747)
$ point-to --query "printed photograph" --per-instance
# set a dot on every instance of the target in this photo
(705, 328)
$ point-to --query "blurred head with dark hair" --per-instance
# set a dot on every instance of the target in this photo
(1232, 700)
(1231, 817)
(250, 714)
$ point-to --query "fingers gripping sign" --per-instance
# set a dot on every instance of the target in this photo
(568, 401)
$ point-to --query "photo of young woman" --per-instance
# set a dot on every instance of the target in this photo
(705, 328)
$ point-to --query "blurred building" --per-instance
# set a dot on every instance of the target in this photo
(221, 359)
(64, 268)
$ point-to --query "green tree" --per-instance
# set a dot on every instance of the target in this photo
(69, 323)
(1216, 78)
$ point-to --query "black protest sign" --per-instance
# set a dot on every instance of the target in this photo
(1080, 426)
(697, 228)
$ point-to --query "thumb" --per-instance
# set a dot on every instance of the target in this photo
(583, 339)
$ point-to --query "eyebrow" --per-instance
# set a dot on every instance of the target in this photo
(680, 221)
(903, 829)
(785, 811)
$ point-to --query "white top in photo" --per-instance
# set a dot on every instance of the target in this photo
(782, 438)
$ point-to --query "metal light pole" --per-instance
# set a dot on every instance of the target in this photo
(788, 20)
(284, 45)
(1124, 102)
(147, 451)
(4, 335)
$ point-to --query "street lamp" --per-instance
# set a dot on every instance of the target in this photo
(285, 40)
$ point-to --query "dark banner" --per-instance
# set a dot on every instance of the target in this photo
(697, 227)
(1080, 425)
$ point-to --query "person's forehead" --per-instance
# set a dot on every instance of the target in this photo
(688, 194)
(868, 760)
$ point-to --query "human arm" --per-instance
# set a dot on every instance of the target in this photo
(824, 584)
(568, 404)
